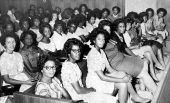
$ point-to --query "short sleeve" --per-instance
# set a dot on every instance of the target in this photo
(3, 67)
(57, 82)
(67, 74)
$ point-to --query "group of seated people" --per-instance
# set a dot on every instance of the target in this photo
(52, 50)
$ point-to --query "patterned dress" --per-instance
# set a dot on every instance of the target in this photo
(12, 65)
(53, 89)
(71, 73)
(97, 62)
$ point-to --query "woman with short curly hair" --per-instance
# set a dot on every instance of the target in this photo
(71, 76)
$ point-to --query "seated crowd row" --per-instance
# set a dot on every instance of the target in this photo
(115, 50)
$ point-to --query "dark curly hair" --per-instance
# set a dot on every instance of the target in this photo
(45, 25)
(72, 21)
(91, 14)
(97, 12)
(45, 15)
(116, 7)
(93, 35)
(162, 10)
(133, 15)
(44, 58)
(150, 9)
(31, 33)
(105, 9)
(25, 19)
(67, 13)
(116, 23)
(81, 5)
(141, 15)
(3, 38)
(34, 18)
(60, 23)
(69, 44)
(104, 23)
(12, 35)
(128, 20)
(80, 19)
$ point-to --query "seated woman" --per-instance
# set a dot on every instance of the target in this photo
(97, 62)
(122, 59)
(71, 76)
(24, 26)
(11, 65)
(159, 24)
(35, 27)
(30, 53)
(142, 51)
(49, 85)
(46, 44)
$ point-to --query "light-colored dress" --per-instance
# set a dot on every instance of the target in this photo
(12, 65)
(159, 23)
(90, 27)
(127, 38)
(47, 46)
(53, 89)
(59, 40)
(73, 35)
(71, 73)
(97, 62)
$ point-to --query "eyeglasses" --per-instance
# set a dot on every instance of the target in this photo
(50, 67)
(76, 50)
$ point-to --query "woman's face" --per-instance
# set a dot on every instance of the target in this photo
(46, 20)
(145, 19)
(9, 28)
(10, 44)
(121, 28)
(115, 11)
(72, 28)
(28, 40)
(49, 69)
(150, 14)
(36, 22)
(104, 14)
(75, 53)
(47, 32)
(107, 28)
(59, 29)
(92, 20)
(25, 25)
(99, 41)
(54, 16)
(83, 9)
(160, 14)
(128, 26)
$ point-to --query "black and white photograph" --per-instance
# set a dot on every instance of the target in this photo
(84, 51)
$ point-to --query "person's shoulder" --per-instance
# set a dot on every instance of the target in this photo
(17, 54)
(66, 64)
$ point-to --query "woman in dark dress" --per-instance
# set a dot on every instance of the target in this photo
(122, 59)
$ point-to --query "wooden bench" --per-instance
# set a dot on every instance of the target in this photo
(31, 98)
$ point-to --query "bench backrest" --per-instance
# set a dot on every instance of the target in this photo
(30, 98)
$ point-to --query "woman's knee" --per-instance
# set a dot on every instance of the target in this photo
(147, 55)
(121, 85)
